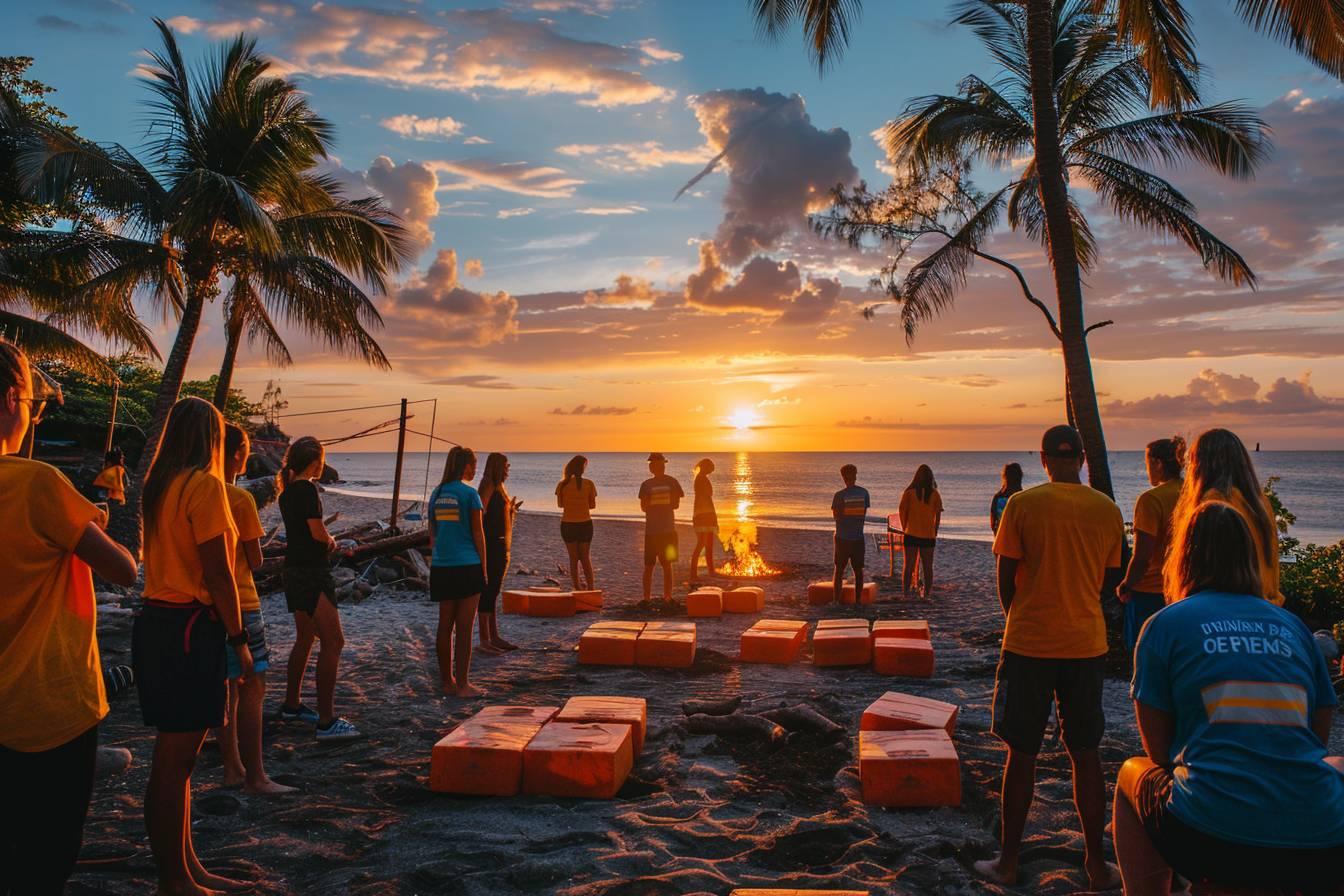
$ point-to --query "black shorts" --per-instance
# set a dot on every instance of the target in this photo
(178, 656)
(659, 546)
(456, 582)
(1201, 857)
(850, 552)
(305, 584)
(497, 566)
(1026, 686)
(577, 533)
(914, 541)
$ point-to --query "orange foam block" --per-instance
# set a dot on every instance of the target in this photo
(819, 593)
(585, 759)
(551, 603)
(514, 602)
(609, 643)
(705, 602)
(917, 629)
(869, 593)
(668, 644)
(903, 656)
(484, 755)
(588, 601)
(747, 599)
(909, 768)
(842, 645)
(906, 712)
(632, 711)
(827, 624)
(777, 641)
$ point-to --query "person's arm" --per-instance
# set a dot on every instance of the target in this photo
(252, 551)
(938, 516)
(643, 499)
(1321, 720)
(559, 501)
(318, 530)
(1145, 547)
(677, 495)
(478, 536)
(1007, 574)
(1156, 729)
(903, 509)
(217, 571)
(994, 513)
(104, 556)
(592, 497)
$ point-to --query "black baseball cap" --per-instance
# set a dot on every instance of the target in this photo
(1061, 441)
(656, 456)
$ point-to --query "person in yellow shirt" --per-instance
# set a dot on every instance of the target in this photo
(576, 497)
(112, 478)
(1141, 589)
(51, 683)
(921, 512)
(1055, 543)
(189, 620)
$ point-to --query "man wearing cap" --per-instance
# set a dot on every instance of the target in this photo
(659, 498)
(1054, 545)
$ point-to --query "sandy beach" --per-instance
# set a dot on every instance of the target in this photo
(699, 814)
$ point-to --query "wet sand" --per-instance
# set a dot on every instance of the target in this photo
(699, 814)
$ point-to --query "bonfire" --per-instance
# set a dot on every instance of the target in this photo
(745, 561)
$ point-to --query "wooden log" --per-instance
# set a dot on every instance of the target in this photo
(723, 707)
(803, 718)
(417, 562)
(394, 545)
(735, 725)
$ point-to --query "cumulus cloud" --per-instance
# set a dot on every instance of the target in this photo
(514, 212)
(628, 290)
(764, 286)
(408, 188)
(522, 178)
(1213, 394)
(423, 128)
(607, 210)
(583, 410)
(218, 29)
(476, 141)
(432, 309)
(632, 157)
(474, 267)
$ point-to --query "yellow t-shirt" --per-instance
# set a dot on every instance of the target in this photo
(1269, 569)
(1152, 514)
(243, 509)
(114, 480)
(195, 509)
(920, 518)
(1065, 535)
(574, 501)
(51, 681)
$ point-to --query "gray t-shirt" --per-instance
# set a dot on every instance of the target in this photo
(661, 494)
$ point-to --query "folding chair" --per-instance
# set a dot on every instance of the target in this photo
(890, 541)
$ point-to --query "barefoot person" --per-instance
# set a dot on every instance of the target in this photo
(921, 513)
(189, 622)
(1141, 589)
(1054, 546)
(310, 591)
(849, 507)
(1234, 705)
(659, 497)
(576, 497)
(497, 522)
(240, 736)
(704, 519)
(458, 572)
(1010, 485)
(51, 680)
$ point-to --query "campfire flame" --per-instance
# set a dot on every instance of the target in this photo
(744, 561)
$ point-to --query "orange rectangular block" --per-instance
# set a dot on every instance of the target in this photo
(588, 601)
(777, 641)
(842, 645)
(906, 712)
(551, 603)
(747, 599)
(903, 656)
(484, 755)
(608, 647)
(632, 711)
(869, 593)
(514, 602)
(820, 593)
(829, 624)
(909, 768)
(666, 644)
(704, 603)
(669, 625)
(589, 759)
(916, 629)
(617, 625)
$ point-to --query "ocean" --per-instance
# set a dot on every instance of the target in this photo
(794, 489)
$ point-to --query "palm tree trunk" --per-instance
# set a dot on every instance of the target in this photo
(1081, 391)
(225, 380)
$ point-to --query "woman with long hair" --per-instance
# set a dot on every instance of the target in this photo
(1009, 485)
(310, 591)
(704, 519)
(111, 479)
(921, 512)
(1141, 589)
(52, 694)
(1234, 705)
(500, 510)
(576, 497)
(190, 618)
(1221, 470)
(458, 568)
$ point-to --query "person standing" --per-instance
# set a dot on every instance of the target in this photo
(1141, 589)
(849, 508)
(111, 480)
(704, 519)
(576, 497)
(52, 695)
(458, 568)
(497, 522)
(1010, 485)
(1055, 543)
(659, 497)
(921, 513)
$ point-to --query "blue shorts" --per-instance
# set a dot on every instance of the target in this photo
(1138, 608)
(255, 627)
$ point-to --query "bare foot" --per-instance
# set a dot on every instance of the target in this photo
(991, 869)
(501, 644)
(209, 881)
(449, 687)
(489, 650)
(1108, 878)
(467, 691)
(267, 787)
(234, 777)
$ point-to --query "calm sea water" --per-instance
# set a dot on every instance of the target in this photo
(794, 488)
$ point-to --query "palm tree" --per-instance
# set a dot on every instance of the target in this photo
(229, 184)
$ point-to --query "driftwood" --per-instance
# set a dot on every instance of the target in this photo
(735, 725)
(418, 564)
(712, 707)
(394, 545)
(803, 718)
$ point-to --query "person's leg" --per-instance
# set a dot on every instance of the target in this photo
(1089, 796)
(248, 724)
(304, 633)
(166, 807)
(226, 736)
(908, 569)
(587, 562)
(1082, 721)
(926, 570)
(1019, 787)
(709, 553)
(443, 646)
(666, 563)
(857, 564)
(573, 550)
(838, 578)
(695, 554)
(1144, 870)
(205, 879)
(650, 561)
(462, 622)
(331, 641)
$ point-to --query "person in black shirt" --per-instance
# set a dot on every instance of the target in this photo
(498, 523)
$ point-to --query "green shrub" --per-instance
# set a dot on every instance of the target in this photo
(1313, 584)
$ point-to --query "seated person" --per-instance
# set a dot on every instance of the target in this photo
(1234, 706)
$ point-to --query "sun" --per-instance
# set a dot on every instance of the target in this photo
(743, 419)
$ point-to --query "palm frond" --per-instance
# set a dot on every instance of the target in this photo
(1160, 29)
(362, 236)
(1228, 137)
(943, 129)
(1002, 30)
(43, 342)
(826, 23)
(1026, 214)
(1314, 28)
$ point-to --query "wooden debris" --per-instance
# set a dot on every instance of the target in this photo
(803, 718)
(735, 725)
(712, 707)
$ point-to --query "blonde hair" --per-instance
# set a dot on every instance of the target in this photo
(1212, 550)
(1219, 463)
(193, 439)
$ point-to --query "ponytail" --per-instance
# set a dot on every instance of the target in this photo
(1170, 453)
(301, 454)
(455, 467)
(574, 470)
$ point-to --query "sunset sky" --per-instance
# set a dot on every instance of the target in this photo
(563, 300)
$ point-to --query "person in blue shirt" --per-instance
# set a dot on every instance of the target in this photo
(849, 507)
(457, 570)
(1234, 706)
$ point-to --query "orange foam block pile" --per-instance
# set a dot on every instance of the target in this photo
(906, 712)
(819, 593)
(705, 602)
(609, 643)
(842, 642)
(632, 711)
(540, 602)
(668, 644)
(909, 768)
(915, 629)
(484, 755)
(746, 599)
(588, 601)
(580, 759)
(908, 657)
(778, 641)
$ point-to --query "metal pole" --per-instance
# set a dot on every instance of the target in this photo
(112, 418)
(396, 478)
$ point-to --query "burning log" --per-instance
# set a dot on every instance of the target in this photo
(745, 562)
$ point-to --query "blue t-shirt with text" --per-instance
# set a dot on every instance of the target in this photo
(853, 504)
(1242, 679)
(450, 510)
